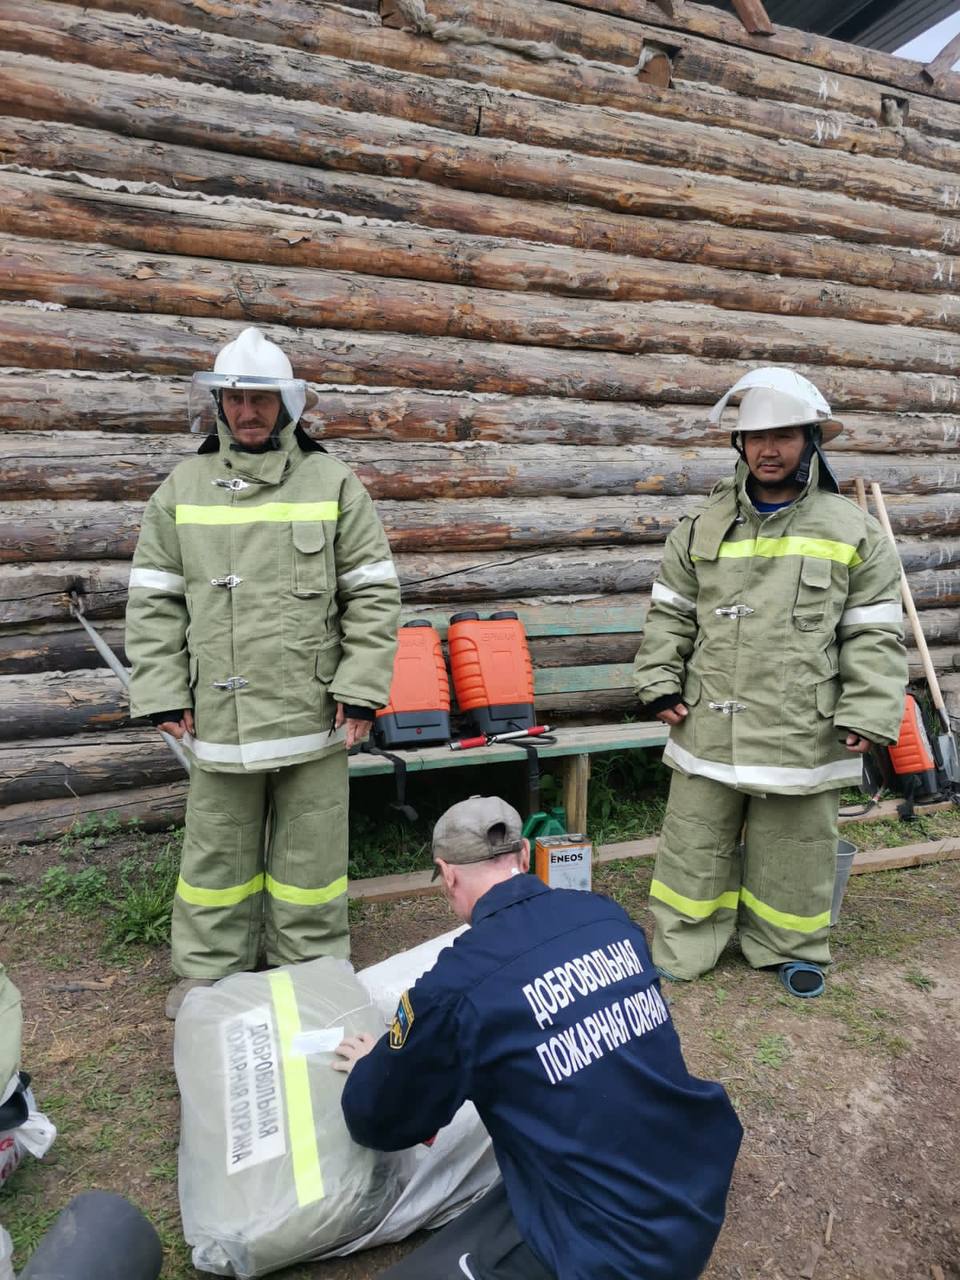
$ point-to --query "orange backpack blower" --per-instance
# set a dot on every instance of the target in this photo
(912, 760)
(418, 712)
(492, 672)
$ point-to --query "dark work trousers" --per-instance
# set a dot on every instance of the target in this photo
(482, 1244)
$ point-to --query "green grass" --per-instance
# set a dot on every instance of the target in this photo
(771, 1051)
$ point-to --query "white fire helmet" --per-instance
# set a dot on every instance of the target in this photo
(771, 398)
(250, 363)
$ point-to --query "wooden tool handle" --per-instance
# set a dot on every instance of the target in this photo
(911, 608)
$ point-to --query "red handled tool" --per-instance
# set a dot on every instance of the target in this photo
(535, 731)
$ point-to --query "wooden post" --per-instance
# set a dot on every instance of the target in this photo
(754, 17)
(576, 780)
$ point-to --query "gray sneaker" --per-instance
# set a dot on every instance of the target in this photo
(176, 995)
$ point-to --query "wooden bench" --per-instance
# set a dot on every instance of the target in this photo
(560, 637)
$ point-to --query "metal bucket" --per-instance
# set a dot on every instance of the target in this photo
(846, 852)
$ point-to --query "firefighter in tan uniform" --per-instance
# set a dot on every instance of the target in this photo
(261, 627)
(773, 649)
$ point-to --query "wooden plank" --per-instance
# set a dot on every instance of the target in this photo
(584, 740)
(418, 883)
(576, 679)
(908, 855)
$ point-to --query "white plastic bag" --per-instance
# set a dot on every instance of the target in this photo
(268, 1173)
(6, 1255)
(34, 1137)
(250, 1198)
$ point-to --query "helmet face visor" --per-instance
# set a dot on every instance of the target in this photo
(206, 389)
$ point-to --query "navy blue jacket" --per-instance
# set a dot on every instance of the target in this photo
(548, 1015)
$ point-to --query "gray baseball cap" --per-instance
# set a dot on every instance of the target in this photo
(477, 829)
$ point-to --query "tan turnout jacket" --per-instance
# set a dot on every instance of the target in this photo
(262, 593)
(780, 631)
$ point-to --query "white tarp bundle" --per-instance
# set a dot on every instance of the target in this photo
(269, 1175)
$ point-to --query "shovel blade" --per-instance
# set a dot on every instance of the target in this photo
(950, 757)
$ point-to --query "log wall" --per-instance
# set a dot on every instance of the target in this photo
(516, 282)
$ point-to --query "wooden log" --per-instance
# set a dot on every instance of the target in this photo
(57, 704)
(114, 467)
(333, 35)
(735, 68)
(787, 43)
(98, 531)
(37, 207)
(110, 156)
(129, 43)
(604, 39)
(322, 137)
(123, 40)
(49, 402)
(55, 646)
(63, 646)
(720, 151)
(35, 532)
(150, 808)
(93, 340)
(90, 275)
(41, 593)
(54, 768)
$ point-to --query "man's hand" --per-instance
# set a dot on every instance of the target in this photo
(177, 728)
(673, 715)
(856, 744)
(357, 730)
(351, 1049)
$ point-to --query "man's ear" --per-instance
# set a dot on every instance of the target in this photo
(449, 874)
(523, 857)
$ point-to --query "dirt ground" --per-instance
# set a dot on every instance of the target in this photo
(850, 1168)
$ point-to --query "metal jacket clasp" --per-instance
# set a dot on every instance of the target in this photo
(734, 611)
(231, 684)
(236, 484)
(230, 581)
(727, 708)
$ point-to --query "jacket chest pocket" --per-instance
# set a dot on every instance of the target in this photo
(813, 591)
(310, 576)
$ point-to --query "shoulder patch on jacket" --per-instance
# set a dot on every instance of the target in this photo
(402, 1022)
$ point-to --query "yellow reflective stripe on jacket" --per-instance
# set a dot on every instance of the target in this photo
(199, 897)
(265, 513)
(301, 1131)
(784, 919)
(698, 908)
(306, 897)
(774, 548)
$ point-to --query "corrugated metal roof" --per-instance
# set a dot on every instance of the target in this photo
(879, 24)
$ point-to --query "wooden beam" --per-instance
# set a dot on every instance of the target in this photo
(941, 67)
(754, 17)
